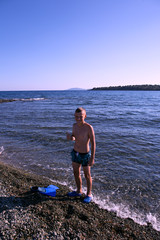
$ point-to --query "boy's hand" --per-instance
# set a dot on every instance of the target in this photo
(68, 135)
(91, 162)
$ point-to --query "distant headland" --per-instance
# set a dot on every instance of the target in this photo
(130, 88)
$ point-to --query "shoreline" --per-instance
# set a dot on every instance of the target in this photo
(31, 215)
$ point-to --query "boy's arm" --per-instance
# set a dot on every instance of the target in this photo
(70, 136)
(93, 146)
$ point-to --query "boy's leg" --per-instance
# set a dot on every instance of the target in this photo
(87, 173)
(77, 175)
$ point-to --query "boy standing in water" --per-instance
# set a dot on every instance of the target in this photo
(82, 134)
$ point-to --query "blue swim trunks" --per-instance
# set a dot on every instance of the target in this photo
(81, 158)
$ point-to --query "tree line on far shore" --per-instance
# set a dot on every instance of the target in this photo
(131, 87)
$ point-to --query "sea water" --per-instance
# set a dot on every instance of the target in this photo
(126, 174)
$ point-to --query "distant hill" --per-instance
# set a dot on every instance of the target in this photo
(75, 89)
(131, 88)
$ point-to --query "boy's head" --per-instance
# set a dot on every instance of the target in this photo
(80, 115)
(80, 109)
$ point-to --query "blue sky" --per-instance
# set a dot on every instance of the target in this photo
(61, 44)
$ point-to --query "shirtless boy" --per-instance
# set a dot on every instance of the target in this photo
(82, 134)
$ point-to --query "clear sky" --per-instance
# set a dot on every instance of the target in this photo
(61, 44)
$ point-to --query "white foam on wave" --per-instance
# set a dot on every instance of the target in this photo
(57, 168)
(121, 210)
(61, 183)
(124, 211)
(1, 150)
(31, 99)
(28, 99)
(152, 219)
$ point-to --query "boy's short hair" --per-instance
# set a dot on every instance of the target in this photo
(80, 109)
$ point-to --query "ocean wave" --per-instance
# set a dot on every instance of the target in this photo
(121, 210)
(124, 211)
(21, 99)
(31, 99)
(1, 150)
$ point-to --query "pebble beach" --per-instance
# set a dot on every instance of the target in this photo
(30, 215)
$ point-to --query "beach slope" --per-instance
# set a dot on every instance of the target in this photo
(31, 215)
